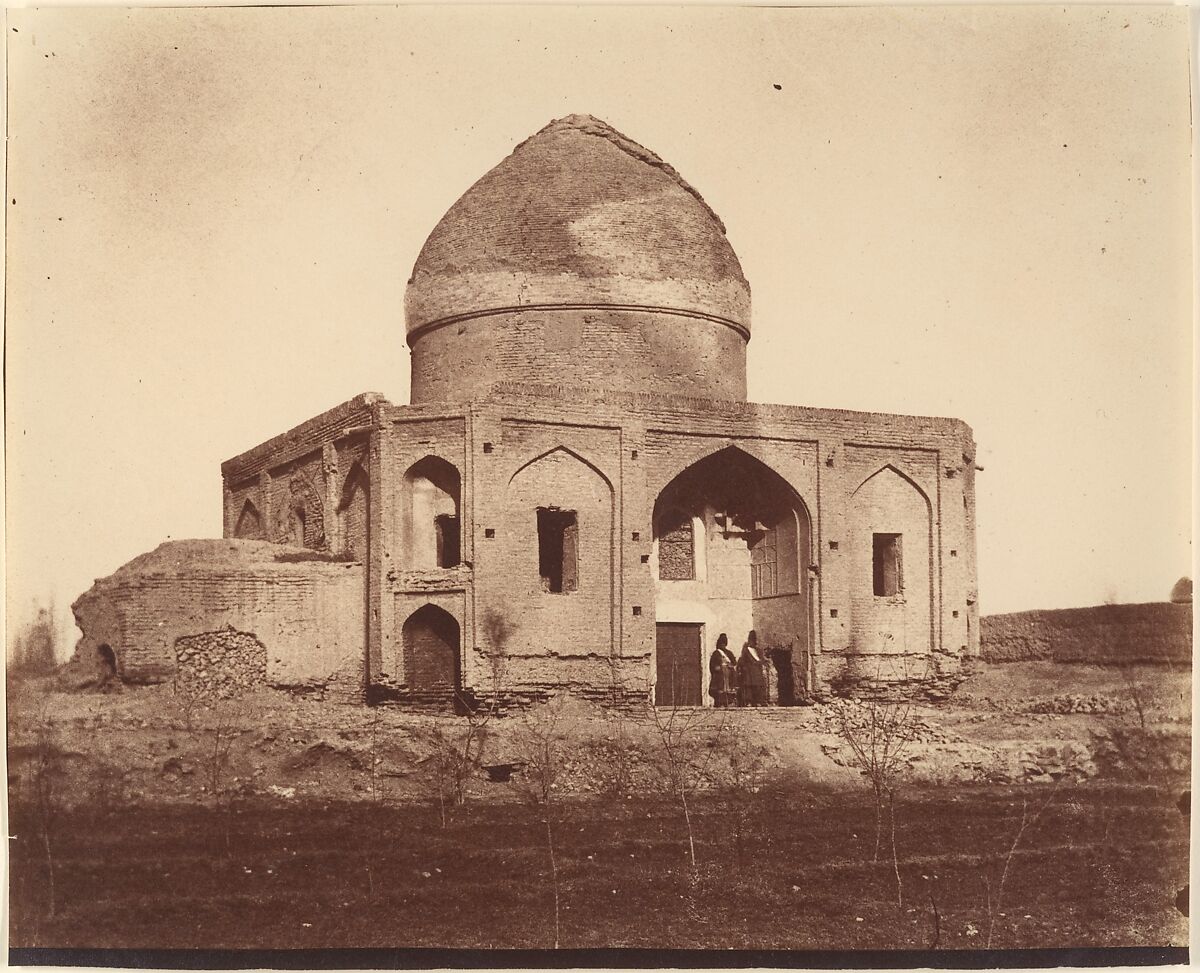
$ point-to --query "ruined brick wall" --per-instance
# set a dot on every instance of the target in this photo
(599, 347)
(307, 614)
(1103, 635)
(292, 488)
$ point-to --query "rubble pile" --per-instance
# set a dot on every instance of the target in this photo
(898, 719)
(1076, 703)
(220, 664)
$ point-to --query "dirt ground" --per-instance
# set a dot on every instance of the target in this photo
(1039, 807)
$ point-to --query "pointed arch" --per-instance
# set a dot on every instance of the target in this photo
(249, 523)
(900, 473)
(558, 542)
(354, 512)
(430, 638)
(892, 558)
(429, 514)
(569, 452)
(752, 547)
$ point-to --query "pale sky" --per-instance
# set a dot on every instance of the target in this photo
(962, 211)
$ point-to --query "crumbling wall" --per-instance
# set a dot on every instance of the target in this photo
(304, 609)
(1102, 635)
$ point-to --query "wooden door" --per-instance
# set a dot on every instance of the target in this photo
(677, 653)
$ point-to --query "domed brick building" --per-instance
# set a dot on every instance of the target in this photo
(579, 484)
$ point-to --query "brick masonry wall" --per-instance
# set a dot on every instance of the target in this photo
(609, 454)
(308, 615)
(1103, 635)
(620, 349)
(823, 455)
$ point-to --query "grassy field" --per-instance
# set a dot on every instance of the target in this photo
(786, 867)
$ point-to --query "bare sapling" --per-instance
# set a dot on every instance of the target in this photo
(682, 734)
(993, 887)
(745, 781)
(540, 742)
(879, 731)
(375, 790)
(218, 746)
(45, 771)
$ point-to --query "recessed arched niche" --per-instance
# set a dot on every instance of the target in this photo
(430, 525)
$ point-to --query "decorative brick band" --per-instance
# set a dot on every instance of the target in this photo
(428, 326)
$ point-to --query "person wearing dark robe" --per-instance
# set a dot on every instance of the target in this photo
(752, 676)
(722, 673)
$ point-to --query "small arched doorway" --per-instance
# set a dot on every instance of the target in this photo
(106, 664)
(430, 641)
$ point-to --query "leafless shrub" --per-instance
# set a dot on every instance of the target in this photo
(540, 743)
(189, 698)
(993, 883)
(45, 771)
(746, 767)
(216, 742)
(879, 730)
(686, 738)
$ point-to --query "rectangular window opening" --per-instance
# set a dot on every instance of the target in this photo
(449, 542)
(558, 549)
(886, 563)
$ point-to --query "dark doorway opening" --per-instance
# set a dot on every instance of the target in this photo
(677, 664)
(106, 664)
(558, 549)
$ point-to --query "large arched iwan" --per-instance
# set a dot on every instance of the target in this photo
(732, 549)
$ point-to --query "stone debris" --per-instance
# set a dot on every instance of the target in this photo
(1073, 703)
(220, 664)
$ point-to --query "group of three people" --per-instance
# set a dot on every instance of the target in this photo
(737, 681)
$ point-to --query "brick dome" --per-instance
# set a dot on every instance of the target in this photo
(578, 214)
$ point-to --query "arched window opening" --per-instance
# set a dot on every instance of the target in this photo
(430, 517)
(764, 563)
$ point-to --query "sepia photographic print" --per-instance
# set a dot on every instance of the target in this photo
(648, 486)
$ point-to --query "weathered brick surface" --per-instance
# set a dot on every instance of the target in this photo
(582, 256)
(307, 614)
(578, 324)
(1104, 635)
